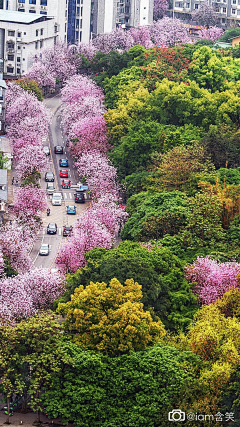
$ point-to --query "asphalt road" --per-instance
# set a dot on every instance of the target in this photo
(58, 214)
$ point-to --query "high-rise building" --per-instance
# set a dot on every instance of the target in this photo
(88, 18)
(54, 8)
(23, 35)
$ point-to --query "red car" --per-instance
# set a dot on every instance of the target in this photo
(64, 173)
(66, 183)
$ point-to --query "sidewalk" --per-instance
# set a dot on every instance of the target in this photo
(18, 419)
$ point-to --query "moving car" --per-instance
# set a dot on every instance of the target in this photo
(46, 150)
(44, 249)
(71, 209)
(66, 183)
(67, 230)
(50, 188)
(64, 173)
(58, 149)
(52, 228)
(49, 177)
(56, 199)
(79, 197)
(63, 163)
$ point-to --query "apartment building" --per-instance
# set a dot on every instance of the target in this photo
(228, 10)
(23, 35)
(88, 18)
(54, 8)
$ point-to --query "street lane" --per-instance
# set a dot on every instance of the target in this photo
(58, 214)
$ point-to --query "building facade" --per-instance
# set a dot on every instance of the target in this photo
(53, 8)
(22, 36)
(227, 10)
(3, 88)
(88, 18)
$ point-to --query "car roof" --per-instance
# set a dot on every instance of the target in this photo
(72, 206)
(67, 226)
(52, 224)
(49, 173)
(44, 245)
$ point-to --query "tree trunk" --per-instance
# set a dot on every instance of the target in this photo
(38, 411)
(8, 409)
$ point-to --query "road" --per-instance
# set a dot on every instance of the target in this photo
(58, 214)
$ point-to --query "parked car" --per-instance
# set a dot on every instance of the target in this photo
(52, 228)
(79, 197)
(44, 249)
(67, 230)
(63, 163)
(46, 150)
(56, 199)
(49, 177)
(71, 209)
(50, 188)
(58, 149)
(63, 173)
(66, 183)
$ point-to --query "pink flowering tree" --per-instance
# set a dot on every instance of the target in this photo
(29, 204)
(141, 36)
(206, 15)
(212, 278)
(168, 32)
(78, 87)
(87, 49)
(22, 296)
(159, 8)
(15, 243)
(30, 160)
(117, 39)
(91, 134)
(211, 33)
(40, 74)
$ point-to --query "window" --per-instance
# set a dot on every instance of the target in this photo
(11, 33)
(77, 34)
(233, 11)
(42, 12)
(23, 59)
(188, 5)
(36, 45)
(78, 1)
(19, 47)
(238, 12)
(22, 1)
(43, 2)
(80, 23)
(21, 10)
(78, 10)
(77, 23)
(1, 93)
(224, 9)
(41, 43)
(24, 34)
(144, 17)
(238, 2)
(18, 71)
(65, 27)
(217, 9)
(10, 57)
(55, 28)
(36, 32)
(18, 59)
(32, 1)
(10, 70)
(1, 109)
(196, 6)
(32, 11)
(19, 34)
(10, 45)
(223, 20)
(234, 1)
(41, 31)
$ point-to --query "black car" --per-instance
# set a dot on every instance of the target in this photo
(49, 177)
(79, 197)
(67, 230)
(52, 228)
(58, 149)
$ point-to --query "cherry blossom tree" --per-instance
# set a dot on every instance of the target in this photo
(23, 295)
(87, 49)
(169, 32)
(212, 278)
(15, 243)
(40, 74)
(159, 8)
(211, 33)
(117, 39)
(78, 87)
(91, 134)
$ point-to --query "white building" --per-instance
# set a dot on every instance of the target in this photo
(56, 8)
(227, 10)
(22, 36)
(88, 18)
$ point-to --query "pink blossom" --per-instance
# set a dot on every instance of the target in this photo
(29, 204)
(169, 32)
(29, 160)
(40, 74)
(91, 134)
(159, 9)
(211, 33)
(15, 243)
(116, 39)
(141, 36)
(212, 278)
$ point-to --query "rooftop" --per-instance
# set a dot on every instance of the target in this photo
(20, 17)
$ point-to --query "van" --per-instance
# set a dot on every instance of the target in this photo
(56, 199)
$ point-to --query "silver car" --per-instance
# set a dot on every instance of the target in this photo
(46, 150)
(44, 249)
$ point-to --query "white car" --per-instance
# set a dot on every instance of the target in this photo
(56, 199)
(44, 249)
(46, 150)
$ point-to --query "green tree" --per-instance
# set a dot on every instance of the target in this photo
(137, 389)
(30, 86)
(166, 293)
(223, 145)
(110, 318)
